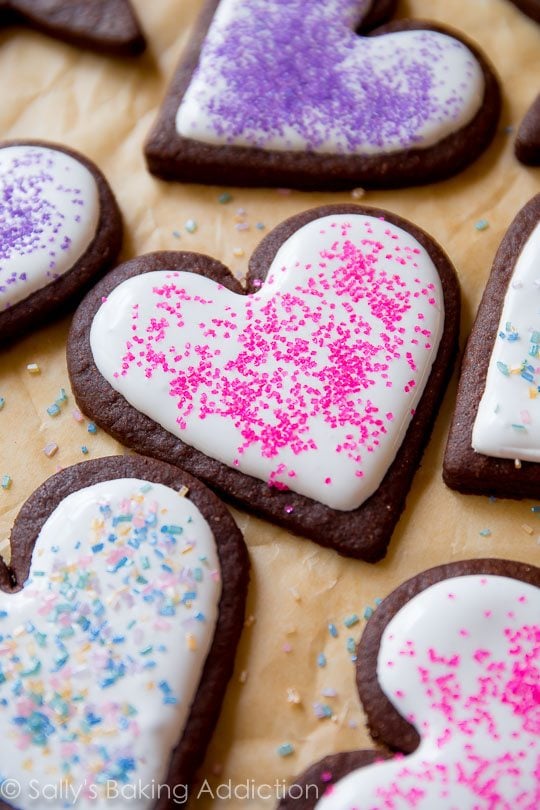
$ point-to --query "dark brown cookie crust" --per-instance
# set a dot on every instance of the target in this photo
(364, 532)
(234, 562)
(527, 145)
(57, 297)
(385, 724)
(172, 157)
(529, 7)
(463, 468)
(106, 26)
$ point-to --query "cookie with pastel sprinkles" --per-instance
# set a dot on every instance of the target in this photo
(494, 441)
(447, 672)
(288, 94)
(120, 614)
(60, 230)
(309, 396)
(106, 26)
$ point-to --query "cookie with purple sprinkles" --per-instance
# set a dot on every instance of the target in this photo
(288, 94)
(106, 26)
(120, 615)
(60, 230)
(446, 671)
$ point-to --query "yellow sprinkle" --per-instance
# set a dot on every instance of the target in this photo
(533, 393)
(19, 631)
(243, 676)
(293, 696)
(527, 528)
(238, 252)
(28, 764)
(187, 548)
(183, 491)
(150, 686)
(33, 368)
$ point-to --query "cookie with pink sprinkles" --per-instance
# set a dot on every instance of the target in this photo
(324, 96)
(448, 672)
(307, 396)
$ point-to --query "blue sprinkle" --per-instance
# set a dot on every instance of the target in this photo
(368, 612)
(97, 547)
(351, 645)
(285, 750)
(535, 508)
(197, 574)
(92, 427)
(120, 564)
(172, 529)
(200, 616)
(481, 225)
(3, 614)
(6, 481)
(485, 532)
(378, 601)
(189, 596)
(503, 368)
(84, 450)
(350, 621)
(53, 410)
(321, 660)
(332, 629)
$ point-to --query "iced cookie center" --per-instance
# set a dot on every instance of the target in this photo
(309, 384)
(295, 76)
(49, 212)
(102, 651)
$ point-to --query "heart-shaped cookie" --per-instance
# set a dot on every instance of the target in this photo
(108, 26)
(274, 93)
(308, 399)
(494, 441)
(60, 229)
(119, 620)
(448, 672)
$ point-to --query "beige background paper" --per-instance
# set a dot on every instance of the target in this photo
(105, 107)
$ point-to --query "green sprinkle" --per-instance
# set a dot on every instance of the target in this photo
(351, 645)
(351, 620)
(62, 397)
(172, 529)
(146, 488)
(53, 410)
(519, 428)
(145, 563)
(224, 198)
(485, 532)
(191, 226)
(6, 481)
(481, 225)
(503, 368)
(285, 749)
(368, 612)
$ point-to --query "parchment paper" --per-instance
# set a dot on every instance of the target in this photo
(105, 107)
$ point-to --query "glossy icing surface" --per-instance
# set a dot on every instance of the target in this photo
(102, 651)
(310, 383)
(295, 76)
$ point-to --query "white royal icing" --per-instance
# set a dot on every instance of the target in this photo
(49, 212)
(310, 383)
(102, 651)
(460, 661)
(507, 424)
(295, 76)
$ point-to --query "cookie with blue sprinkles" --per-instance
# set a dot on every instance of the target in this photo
(120, 613)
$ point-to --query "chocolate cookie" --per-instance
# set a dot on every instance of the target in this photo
(448, 660)
(286, 94)
(61, 229)
(494, 441)
(527, 146)
(307, 400)
(529, 7)
(119, 619)
(108, 26)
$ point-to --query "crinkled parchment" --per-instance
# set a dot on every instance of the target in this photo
(105, 107)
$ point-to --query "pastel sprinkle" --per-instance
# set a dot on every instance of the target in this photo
(332, 629)
(293, 696)
(92, 428)
(357, 193)
(368, 612)
(481, 224)
(190, 226)
(2, 402)
(224, 198)
(351, 620)
(285, 749)
(322, 711)
(84, 450)
(351, 645)
(485, 532)
(50, 449)
(527, 529)
(53, 410)
(176, 234)
(33, 368)
(321, 660)
(77, 415)
(6, 481)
